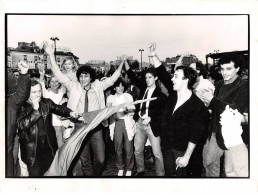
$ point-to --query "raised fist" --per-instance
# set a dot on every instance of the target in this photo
(152, 46)
(49, 49)
(41, 68)
(23, 66)
(123, 58)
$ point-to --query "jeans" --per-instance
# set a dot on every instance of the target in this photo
(43, 159)
(121, 142)
(94, 140)
(142, 133)
(211, 159)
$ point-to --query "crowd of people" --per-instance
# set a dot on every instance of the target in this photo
(195, 119)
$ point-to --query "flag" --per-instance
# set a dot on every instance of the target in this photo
(66, 153)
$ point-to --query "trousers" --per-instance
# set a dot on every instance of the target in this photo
(142, 133)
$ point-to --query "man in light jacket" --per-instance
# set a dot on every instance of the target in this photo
(86, 95)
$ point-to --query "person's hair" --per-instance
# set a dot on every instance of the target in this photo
(34, 83)
(214, 73)
(86, 70)
(14, 71)
(238, 60)
(117, 83)
(35, 74)
(201, 68)
(73, 61)
(151, 71)
(190, 74)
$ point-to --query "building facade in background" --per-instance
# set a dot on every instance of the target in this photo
(33, 54)
(187, 60)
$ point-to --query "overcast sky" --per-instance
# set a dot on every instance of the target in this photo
(104, 37)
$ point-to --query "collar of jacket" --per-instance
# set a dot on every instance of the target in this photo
(184, 108)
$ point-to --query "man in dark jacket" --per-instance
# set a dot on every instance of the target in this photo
(148, 117)
(232, 91)
(184, 118)
(37, 137)
(18, 92)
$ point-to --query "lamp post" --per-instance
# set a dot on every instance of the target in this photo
(54, 39)
(141, 50)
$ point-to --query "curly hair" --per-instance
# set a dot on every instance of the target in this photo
(86, 70)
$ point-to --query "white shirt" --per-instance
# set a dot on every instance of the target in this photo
(56, 98)
(93, 103)
(150, 92)
(130, 126)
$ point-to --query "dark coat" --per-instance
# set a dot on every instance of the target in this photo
(14, 103)
(237, 97)
(155, 106)
(27, 119)
(187, 124)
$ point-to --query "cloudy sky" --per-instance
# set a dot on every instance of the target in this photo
(104, 37)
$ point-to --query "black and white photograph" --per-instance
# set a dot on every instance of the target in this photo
(103, 98)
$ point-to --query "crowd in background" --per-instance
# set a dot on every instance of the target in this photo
(181, 130)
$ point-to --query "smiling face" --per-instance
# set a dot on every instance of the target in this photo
(84, 79)
(150, 79)
(178, 80)
(120, 89)
(54, 84)
(35, 93)
(68, 65)
(229, 72)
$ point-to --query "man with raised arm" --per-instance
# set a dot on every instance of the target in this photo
(17, 95)
(184, 117)
(86, 95)
(37, 136)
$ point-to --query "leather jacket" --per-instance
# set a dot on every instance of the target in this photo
(27, 119)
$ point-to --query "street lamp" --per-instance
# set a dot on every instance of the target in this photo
(141, 50)
(54, 39)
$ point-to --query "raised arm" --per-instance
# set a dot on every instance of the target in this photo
(163, 75)
(62, 78)
(138, 82)
(180, 60)
(42, 82)
(109, 81)
(23, 90)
